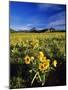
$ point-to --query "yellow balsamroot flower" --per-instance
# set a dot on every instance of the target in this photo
(54, 63)
(44, 66)
(42, 59)
(48, 60)
(41, 67)
(27, 59)
(32, 58)
(47, 64)
(41, 54)
(36, 45)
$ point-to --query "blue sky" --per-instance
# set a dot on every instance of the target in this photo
(24, 16)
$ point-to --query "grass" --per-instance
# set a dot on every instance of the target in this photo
(14, 37)
(51, 44)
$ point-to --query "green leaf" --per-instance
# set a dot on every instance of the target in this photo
(43, 78)
(51, 54)
(20, 61)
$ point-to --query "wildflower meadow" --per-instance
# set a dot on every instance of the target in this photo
(37, 59)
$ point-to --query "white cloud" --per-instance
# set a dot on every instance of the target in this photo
(39, 28)
(57, 19)
(46, 7)
(57, 22)
(28, 25)
(59, 15)
(25, 27)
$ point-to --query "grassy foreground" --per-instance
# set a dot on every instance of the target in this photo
(37, 59)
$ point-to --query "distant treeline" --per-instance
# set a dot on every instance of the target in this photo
(34, 30)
